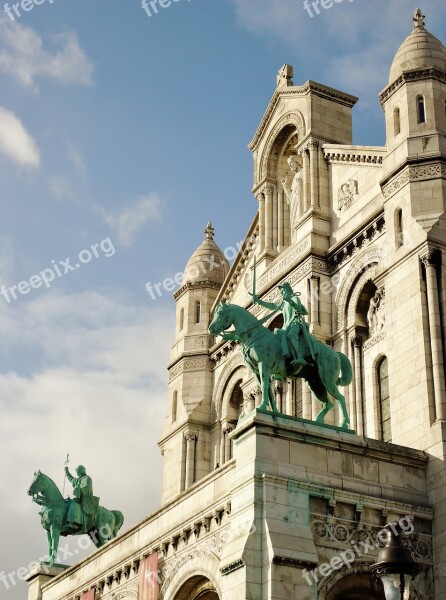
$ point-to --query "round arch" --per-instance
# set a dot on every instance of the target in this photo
(354, 583)
(237, 376)
(363, 263)
(235, 363)
(288, 124)
(194, 579)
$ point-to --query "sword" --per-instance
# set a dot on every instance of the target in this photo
(64, 478)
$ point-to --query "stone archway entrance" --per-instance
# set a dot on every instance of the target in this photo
(359, 586)
(197, 588)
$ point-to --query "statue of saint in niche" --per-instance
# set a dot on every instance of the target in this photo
(294, 192)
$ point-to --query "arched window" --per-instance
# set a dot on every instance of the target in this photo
(181, 319)
(174, 406)
(421, 109)
(384, 400)
(399, 232)
(198, 312)
(396, 121)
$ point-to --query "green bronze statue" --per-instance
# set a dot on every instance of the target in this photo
(287, 353)
(73, 516)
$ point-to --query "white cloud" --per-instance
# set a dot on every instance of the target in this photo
(16, 142)
(127, 223)
(61, 188)
(23, 57)
(77, 159)
(98, 390)
(350, 45)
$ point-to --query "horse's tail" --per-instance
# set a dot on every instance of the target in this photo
(119, 521)
(346, 370)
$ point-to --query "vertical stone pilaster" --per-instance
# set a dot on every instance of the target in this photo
(359, 409)
(314, 168)
(305, 205)
(307, 412)
(314, 300)
(268, 193)
(430, 262)
(280, 222)
(261, 200)
(191, 438)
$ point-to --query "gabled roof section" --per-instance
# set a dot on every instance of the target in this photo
(310, 87)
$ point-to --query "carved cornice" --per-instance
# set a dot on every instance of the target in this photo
(208, 284)
(354, 245)
(413, 174)
(335, 532)
(410, 76)
(354, 154)
(374, 340)
(238, 564)
(189, 364)
(294, 562)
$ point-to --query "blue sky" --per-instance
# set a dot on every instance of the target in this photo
(116, 126)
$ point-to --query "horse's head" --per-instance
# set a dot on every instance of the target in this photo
(37, 484)
(222, 319)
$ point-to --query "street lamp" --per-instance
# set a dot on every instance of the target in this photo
(395, 567)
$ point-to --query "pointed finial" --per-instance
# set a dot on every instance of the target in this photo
(209, 231)
(418, 19)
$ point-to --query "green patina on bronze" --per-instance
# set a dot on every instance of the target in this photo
(287, 353)
(73, 516)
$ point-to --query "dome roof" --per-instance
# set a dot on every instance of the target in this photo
(207, 263)
(419, 50)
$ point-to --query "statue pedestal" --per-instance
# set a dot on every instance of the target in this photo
(41, 575)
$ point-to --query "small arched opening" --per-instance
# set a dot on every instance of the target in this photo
(358, 586)
(197, 588)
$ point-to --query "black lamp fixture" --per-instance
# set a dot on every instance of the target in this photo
(395, 567)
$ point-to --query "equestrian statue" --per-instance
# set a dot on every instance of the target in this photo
(79, 515)
(287, 353)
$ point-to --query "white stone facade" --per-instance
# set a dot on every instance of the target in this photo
(252, 503)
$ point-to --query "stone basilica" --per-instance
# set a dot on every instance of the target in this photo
(253, 504)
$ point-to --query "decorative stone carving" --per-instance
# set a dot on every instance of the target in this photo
(376, 317)
(293, 191)
(348, 194)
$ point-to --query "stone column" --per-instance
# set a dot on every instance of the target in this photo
(430, 263)
(307, 412)
(314, 168)
(278, 392)
(306, 203)
(359, 410)
(228, 444)
(314, 300)
(191, 438)
(280, 224)
(268, 191)
(261, 200)
(222, 447)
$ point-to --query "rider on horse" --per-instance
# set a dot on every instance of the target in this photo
(296, 340)
(83, 507)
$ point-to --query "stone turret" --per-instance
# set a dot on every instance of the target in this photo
(185, 438)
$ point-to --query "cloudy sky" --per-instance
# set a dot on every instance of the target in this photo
(121, 135)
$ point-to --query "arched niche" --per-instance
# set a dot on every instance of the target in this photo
(289, 126)
(354, 583)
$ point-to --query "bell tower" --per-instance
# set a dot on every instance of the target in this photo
(185, 440)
